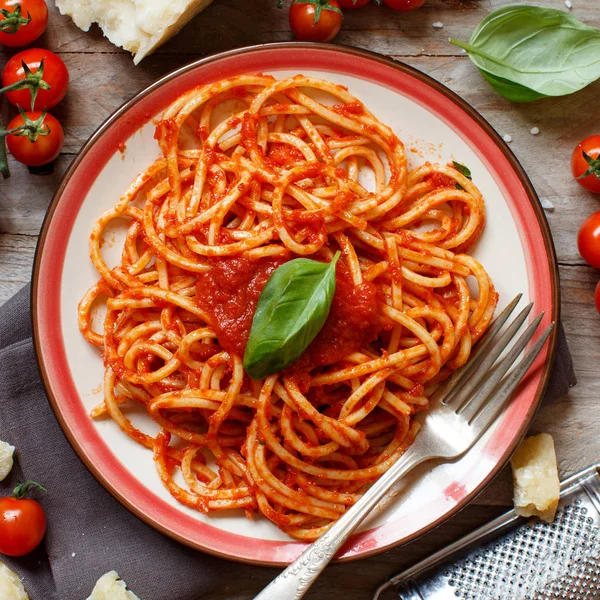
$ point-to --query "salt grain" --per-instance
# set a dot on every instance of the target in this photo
(507, 138)
(547, 205)
(438, 25)
(534, 130)
(72, 554)
(568, 4)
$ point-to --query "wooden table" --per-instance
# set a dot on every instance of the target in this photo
(103, 77)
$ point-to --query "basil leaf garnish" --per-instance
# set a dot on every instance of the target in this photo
(463, 171)
(291, 310)
(528, 52)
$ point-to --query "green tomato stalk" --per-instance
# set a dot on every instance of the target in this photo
(33, 81)
(32, 129)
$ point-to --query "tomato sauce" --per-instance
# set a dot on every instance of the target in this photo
(347, 110)
(283, 154)
(439, 180)
(353, 322)
(229, 293)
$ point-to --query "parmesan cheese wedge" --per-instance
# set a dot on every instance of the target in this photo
(6, 459)
(535, 477)
(139, 26)
(111, 587)
(11, 587)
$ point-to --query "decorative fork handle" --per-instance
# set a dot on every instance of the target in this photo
(295, 581)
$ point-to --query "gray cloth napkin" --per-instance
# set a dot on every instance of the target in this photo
(89, 532)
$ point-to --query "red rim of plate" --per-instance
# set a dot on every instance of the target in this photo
(47, 275)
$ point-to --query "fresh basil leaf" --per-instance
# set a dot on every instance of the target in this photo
(512, 91)
(463, 171)
(528, 52)
(291, 310)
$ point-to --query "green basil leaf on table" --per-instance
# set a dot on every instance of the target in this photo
(528, 52)
(291, 310)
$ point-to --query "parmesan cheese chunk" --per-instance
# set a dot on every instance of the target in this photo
(11, 587)
(139, 26)
(535, 476)
(111, 587)
(6, 459)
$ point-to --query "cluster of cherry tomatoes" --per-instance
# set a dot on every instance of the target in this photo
(585, 166)
(34, 81)
(321, 20)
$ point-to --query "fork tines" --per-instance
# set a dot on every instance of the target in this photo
(467, 390)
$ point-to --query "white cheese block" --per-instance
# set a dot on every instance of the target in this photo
(6, 460)
(139, 26)
(11, 587)
(111, 587)
(535, 477)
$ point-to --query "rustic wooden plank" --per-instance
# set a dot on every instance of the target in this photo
(227, 24)
(16, 259)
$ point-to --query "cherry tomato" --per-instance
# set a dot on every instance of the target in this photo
(404, 5)
(353, 3)
(315, 20)
(44, 149)
(588, 240)
(55, 74)
(22, 522)
(580, 165)
(22, 21)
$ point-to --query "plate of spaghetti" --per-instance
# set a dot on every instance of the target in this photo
(253, 277)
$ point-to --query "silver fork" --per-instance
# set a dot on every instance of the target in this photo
(461, 411)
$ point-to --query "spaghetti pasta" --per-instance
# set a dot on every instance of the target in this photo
(255, 171)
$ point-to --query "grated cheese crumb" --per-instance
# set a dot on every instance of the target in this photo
(534, 130)
(568, 4)
(111, 587)
(438, 25)
(507, 138)
(11, 587)
(6, 459)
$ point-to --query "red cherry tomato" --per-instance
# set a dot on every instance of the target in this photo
(41, 151)
(353, 3)
(588, 240)
(305, 25)
(597, 297)
(404, 5)
(580, 165)
(22, 21)
(22, 523)
(55, 74)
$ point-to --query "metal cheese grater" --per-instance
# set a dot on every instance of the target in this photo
(513, 558)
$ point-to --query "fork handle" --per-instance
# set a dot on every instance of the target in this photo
(295, 581)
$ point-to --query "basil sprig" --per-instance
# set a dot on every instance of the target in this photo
(291, 310)
(529, 52)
